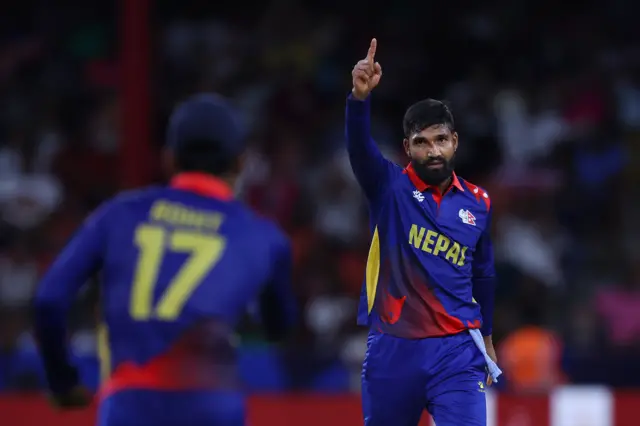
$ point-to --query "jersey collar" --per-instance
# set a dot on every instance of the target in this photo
(421, 186)
(202, 184)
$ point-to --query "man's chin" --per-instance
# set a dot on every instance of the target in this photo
(434, 178)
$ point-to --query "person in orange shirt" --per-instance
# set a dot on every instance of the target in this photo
(532, 355)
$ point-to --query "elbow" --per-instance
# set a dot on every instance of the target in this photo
(48, 310)
(42, 305)
(484, 283)
(44, 302)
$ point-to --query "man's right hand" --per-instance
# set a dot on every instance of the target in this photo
(366, 74)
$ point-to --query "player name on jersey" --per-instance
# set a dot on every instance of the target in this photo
(177, 214)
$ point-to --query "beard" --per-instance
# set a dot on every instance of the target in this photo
(433, 176)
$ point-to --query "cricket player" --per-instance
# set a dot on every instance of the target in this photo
(179, 266)
(430, 274)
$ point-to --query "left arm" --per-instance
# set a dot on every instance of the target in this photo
(57, 291)
(277, 302)
(484, 279)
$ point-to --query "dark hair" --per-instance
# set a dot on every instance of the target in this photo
(426, 113)
(200, 155)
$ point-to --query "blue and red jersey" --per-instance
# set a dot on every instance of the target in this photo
(430, 270)
(179, 265)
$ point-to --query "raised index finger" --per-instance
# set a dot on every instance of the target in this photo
(372, 50)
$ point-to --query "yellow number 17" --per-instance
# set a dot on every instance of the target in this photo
(204, 252)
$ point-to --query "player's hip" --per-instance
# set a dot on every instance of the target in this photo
(421, 356)
(169, 408)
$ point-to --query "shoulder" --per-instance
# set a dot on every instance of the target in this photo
(124, 201)
(478, 194)
(134, 197)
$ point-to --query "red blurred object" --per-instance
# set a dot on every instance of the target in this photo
(103, 73)
(275, 201)
(589, 406)
(135, 149)
(351, 266)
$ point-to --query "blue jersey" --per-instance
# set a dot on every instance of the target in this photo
(179, 267)
(430, 270)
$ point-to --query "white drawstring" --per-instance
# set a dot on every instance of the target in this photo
(492, 367)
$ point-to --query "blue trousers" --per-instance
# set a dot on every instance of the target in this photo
(402, 377)
(172, 408)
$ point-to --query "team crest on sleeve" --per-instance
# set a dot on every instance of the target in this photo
(467, 217)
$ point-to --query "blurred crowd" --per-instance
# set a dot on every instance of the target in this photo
(547, 105)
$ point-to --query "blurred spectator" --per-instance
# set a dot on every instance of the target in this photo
(18, 276)
(585, 354)
(618, 307)
(532, 357)
(529, 238)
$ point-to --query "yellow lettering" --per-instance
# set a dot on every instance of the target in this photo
(158, 210)
(184, 216)
(429, 241)
(415, 236)
(179, 215)
(213, 220)
(203, 253)
(435, 243)
(461, 261)
(441, 244)
(453, 253)
(172, 214)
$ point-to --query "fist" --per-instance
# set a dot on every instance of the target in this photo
(77, 398)
(367, 73)
(491, 351)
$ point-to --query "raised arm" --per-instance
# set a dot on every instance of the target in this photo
(372, 170)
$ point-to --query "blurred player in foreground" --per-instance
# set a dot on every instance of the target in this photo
(430, 272)
(179, 266)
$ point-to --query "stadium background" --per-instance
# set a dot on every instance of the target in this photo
(547, 101)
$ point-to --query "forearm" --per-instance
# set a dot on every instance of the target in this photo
(364, 155)
(51, 334)
(484, 294)
(278, 308)
(278, 316)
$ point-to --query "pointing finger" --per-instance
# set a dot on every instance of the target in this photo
(372, 50)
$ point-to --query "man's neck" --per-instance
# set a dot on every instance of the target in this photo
(445, 184)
